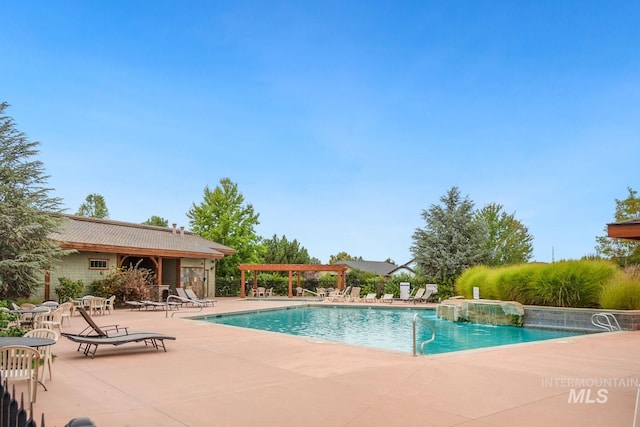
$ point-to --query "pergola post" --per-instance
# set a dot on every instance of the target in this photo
(290, 284)
(242, 292)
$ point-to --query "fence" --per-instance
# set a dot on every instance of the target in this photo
(10, 414)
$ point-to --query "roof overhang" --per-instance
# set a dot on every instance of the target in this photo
(625, 229)
(139, 251)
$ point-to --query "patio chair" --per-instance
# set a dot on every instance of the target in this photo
(96, 305)
(108, 304)
(45, 351)
(21, 363)
(53, 320)
(38, 317)
(193, 297)
(269, 292)
(93, 336)
(261, 292)
(67, 312)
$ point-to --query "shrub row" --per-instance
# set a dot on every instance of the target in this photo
(587, 284)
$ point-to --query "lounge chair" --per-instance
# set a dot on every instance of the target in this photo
(93, 335)
(337, 296)
(387, 298)
(193, 297)
(370, 297)
(417, 297)
(355, 294)
(146, 304)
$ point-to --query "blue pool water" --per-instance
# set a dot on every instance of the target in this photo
(388, 329)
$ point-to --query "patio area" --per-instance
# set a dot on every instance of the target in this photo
(215, 375)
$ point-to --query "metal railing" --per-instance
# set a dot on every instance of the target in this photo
(181, 300)
(606, 321)
(423, 343)
(12, 415)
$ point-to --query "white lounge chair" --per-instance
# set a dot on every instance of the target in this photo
(370, 297)
(418, 295)
(193, 297)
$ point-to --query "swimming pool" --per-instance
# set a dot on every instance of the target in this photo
(383, 328)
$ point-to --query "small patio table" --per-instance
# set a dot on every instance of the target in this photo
(27, 341)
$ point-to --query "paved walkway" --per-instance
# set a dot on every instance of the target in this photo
(216, 375)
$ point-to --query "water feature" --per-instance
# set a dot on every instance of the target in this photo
(483, 312)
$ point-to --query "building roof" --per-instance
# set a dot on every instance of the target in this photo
(92, 234)
(380, 268)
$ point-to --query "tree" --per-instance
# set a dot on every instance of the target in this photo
(223, 217)
(506, 240)
(94, 206)
(450, 242)
(343, 256)
(157, 221)
(283, 251)
(28, 215)
(623, 251)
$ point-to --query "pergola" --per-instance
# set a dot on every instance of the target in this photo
(291, 268)
(629, 229)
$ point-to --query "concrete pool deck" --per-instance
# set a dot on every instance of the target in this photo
(216, 375)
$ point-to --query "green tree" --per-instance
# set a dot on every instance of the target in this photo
(450, 242)
(223, 217)
(283, 251)
(623, 251)
(28, 215)
(157, 221)
(94, 206)
(506, 240)
(343, 256)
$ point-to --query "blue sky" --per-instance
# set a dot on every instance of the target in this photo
(340, 121)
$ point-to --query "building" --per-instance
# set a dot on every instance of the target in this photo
(178, 257)
(379, 268)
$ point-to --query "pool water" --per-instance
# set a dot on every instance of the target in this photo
(384, 328)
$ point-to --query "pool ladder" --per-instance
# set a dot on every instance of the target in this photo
(606, 321)
(422, 344)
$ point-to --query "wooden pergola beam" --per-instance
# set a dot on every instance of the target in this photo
(290, 268)
(625, 230)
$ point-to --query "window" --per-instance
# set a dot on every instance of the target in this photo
(98, 264)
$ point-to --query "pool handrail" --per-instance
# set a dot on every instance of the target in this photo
(604, 321)
(181, 300)
(422, 344)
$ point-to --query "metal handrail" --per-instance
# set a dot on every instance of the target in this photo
(433, 333)
(604, 321)
(182, 300)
